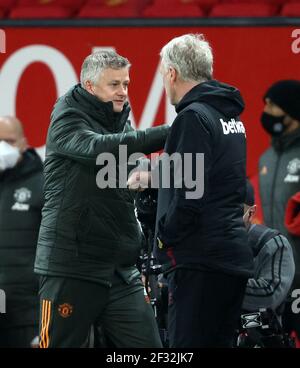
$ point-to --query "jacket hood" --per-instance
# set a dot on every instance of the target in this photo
(222, 97)
(102, 111)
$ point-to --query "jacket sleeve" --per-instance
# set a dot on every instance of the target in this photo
(188, 135)
(73, 138)
(274, 275)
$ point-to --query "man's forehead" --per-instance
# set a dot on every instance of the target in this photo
(115, 74)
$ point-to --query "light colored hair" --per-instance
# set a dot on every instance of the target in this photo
(190, 55)
(95, 63)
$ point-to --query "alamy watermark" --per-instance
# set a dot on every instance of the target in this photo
(2, 42)
(2, 301)
(296, 301)
(166, 171)
(296, 42)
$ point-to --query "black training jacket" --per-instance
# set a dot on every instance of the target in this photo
(207, 232)
(88, 232)
(21, 201)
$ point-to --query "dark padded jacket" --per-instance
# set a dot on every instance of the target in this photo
(207, 232)
(87, 232)
(274, 269)
(21, 202)
(279, 180)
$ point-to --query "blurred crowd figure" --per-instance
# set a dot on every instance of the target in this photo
(266, 293)
(21, 201)
(274, 266)
(279, 175)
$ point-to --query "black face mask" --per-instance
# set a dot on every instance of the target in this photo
(273, 125)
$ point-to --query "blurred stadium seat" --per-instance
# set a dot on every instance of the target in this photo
(5, 6)
(291, 9)
(112, 8)
(32, 9)
(173, 8)
(244, 10)
(257, 2)
(44, 9)
(206, 5)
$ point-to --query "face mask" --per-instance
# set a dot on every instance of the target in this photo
(273, 125)
(9, 156)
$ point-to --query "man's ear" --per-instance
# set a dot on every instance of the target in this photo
(23, 145)
(252, 212)
(173, 74)
(88, 85)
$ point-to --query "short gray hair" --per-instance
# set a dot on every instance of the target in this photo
(95, 63)
(190, 55)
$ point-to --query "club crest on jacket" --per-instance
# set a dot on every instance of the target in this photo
(21, 196)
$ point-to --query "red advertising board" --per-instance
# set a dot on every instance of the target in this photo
(42, 63)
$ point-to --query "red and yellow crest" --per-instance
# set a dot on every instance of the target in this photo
(65, 310)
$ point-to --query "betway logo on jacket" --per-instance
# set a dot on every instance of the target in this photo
(232, 126)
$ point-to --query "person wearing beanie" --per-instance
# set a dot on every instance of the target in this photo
(279, 170)
(281, 114)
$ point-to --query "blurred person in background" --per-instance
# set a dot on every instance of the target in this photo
(21, 201)
(274, 266)
(279, 171)
(266, 292)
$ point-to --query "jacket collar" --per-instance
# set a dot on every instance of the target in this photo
(98, 110)
(285, 141)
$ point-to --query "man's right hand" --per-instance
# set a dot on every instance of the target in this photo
(139, 180)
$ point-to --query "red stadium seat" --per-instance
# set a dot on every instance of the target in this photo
(73, 4)
(173, 8)
(116, 3)
(5, 6)
(291, 10)
(45, 8)
(244, 10)
(105, 9)
(206, 4)
(277, 2)
(31, 12)
(1, 13)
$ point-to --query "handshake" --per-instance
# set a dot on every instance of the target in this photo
(139, 180)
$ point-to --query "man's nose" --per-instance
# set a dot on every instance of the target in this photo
(267, 108)
(122, 91)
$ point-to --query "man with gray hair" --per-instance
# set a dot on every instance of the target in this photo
(89, 238)
(202, 242)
